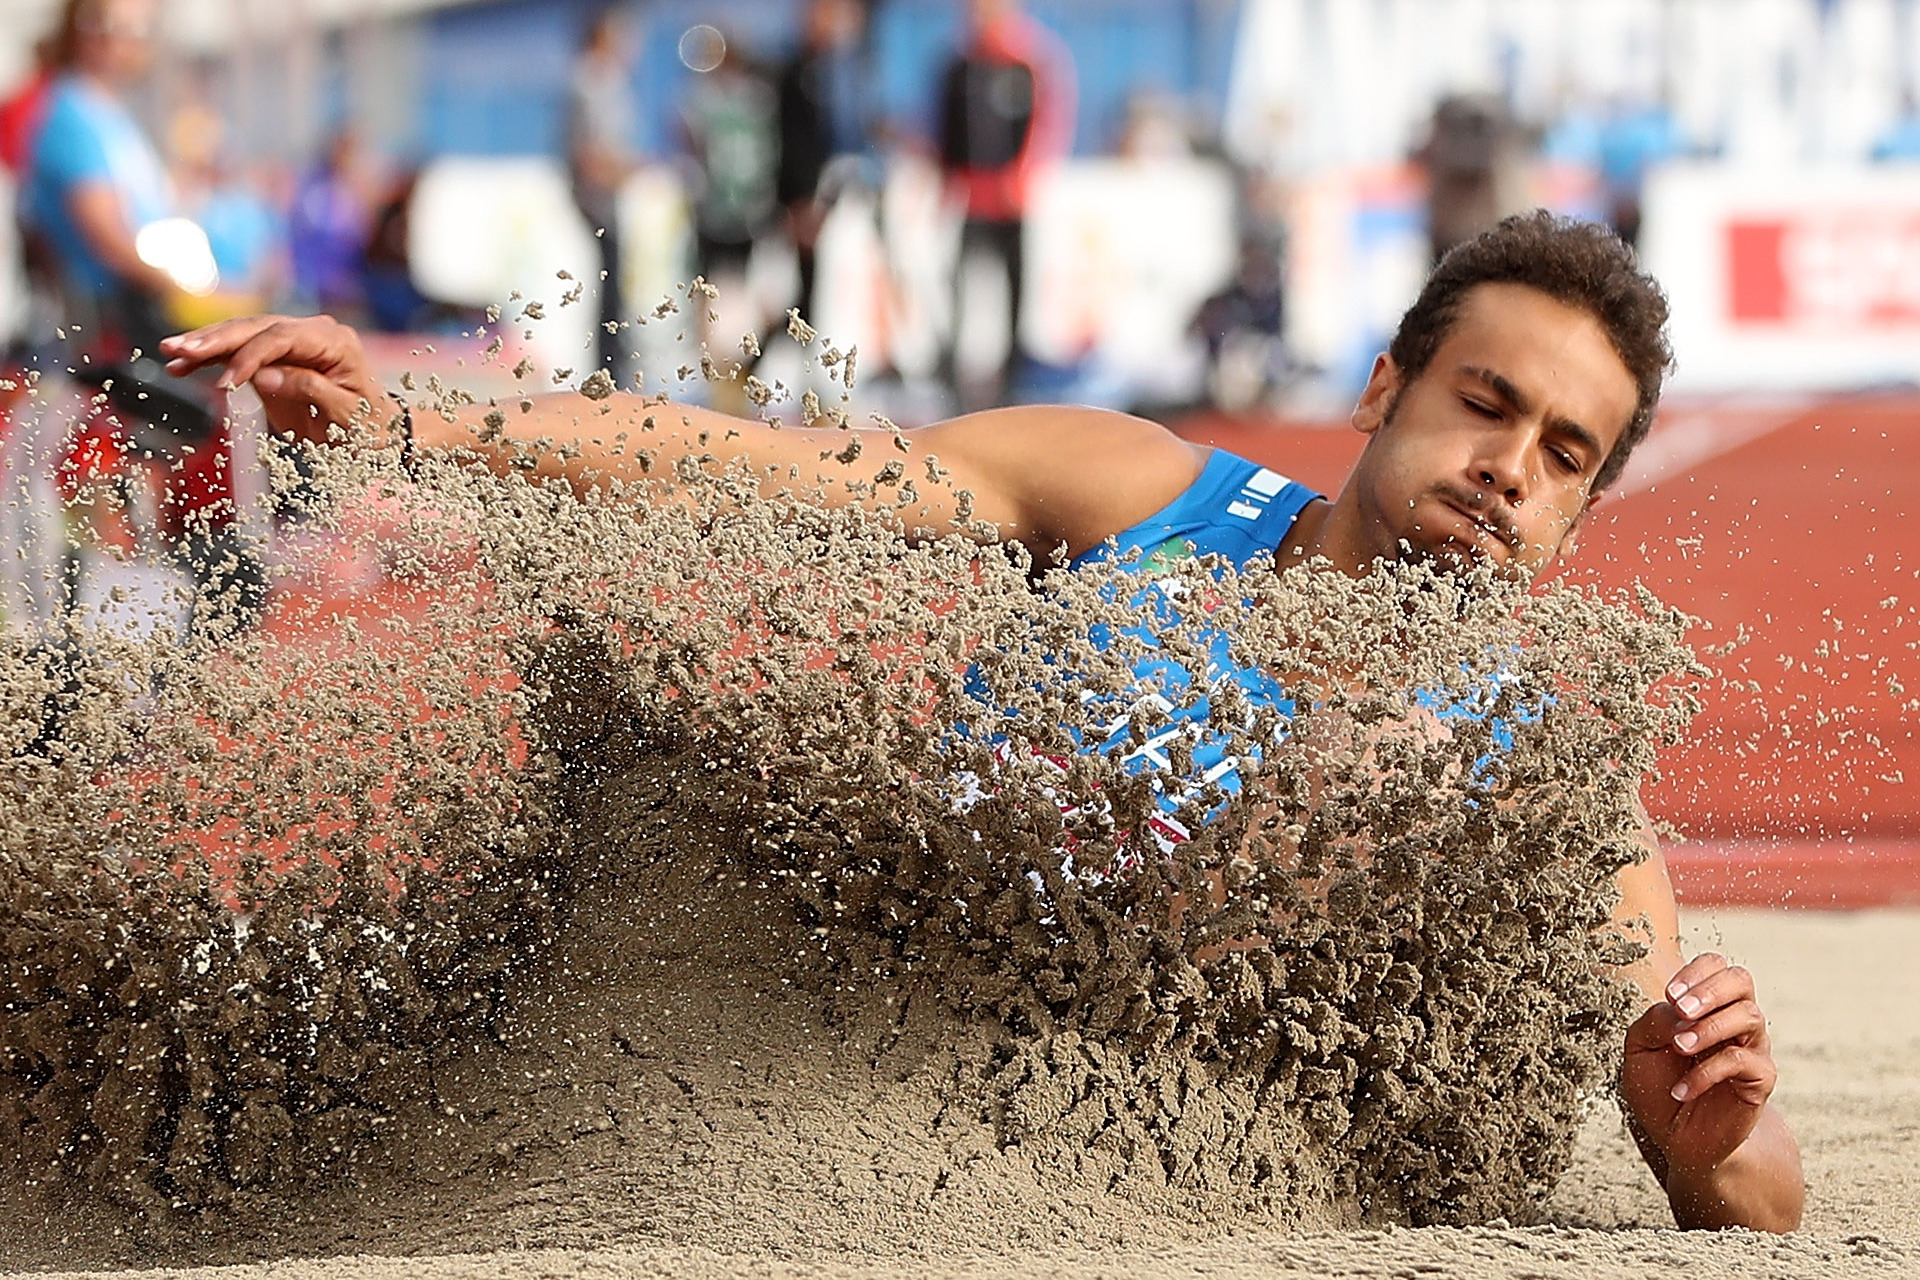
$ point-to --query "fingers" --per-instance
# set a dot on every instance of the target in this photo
(212, 343)
(249, 345)
(1749, 1072)
(272, 345)
(1653, 1030)
(1708, 982)
(1740, 1021)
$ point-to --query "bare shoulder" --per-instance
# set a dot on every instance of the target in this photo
(1067, 474)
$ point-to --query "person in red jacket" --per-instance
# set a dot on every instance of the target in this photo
(1007, 104)
(21, 112)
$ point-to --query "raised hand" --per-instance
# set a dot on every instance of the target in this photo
(311, 373)
(1696, 1078)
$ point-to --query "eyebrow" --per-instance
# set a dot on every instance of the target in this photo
(1503, 386)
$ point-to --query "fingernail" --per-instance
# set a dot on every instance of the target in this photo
(1680, 1091)
(1676, 990)
(1686, 1040)
(268, 380)
(1688, 1005)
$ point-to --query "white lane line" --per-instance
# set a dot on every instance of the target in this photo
(1686, 436)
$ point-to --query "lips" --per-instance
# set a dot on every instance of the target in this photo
(1480, 520)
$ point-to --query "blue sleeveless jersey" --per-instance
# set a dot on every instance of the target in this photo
(1237, 510)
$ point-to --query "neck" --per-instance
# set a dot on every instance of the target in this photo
(1329, 530)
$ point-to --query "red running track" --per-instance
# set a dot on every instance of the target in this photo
(1783, 522)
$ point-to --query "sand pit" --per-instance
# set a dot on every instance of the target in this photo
(1843, 1001)
(644, 895)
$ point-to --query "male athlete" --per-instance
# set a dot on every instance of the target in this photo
(1511, 396)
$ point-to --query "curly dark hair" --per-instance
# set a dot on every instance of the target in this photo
(1582, 264)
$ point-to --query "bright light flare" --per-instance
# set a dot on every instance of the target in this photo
(180, 248)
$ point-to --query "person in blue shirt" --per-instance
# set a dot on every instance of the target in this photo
(94, 179)
(1635, 138)
(1515, 389)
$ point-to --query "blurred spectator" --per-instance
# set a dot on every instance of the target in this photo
(730, 133)
(394, 302)
(244, 232)
(1634, 138)
(97, 192)
(327, 230)
(1475, 158)
(1573, 135)
(94, 180)
(1243, 326)
(822, 115)
(601, 118)
(1006, 115)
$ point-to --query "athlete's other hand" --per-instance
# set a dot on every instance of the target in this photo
(1699, 1068)
(311, 374)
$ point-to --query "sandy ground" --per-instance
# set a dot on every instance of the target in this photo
(1844, 995)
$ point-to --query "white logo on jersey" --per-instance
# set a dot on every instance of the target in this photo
(1260, 489)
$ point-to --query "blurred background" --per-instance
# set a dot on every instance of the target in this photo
(1225, 200)
(1209, 211)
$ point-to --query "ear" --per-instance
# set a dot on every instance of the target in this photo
(1376, 401)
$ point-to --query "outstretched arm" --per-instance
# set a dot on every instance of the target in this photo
(1698, 1072)
(1043, 476)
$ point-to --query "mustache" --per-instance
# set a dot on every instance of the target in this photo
(1491, 514)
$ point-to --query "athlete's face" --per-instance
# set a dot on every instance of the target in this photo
(1490, 454)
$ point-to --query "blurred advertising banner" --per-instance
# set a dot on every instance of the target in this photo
(1788, 279)
(1122, 253)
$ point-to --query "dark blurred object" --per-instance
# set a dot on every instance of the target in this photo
(394, 305)
(1006, 112)
(1475, 158)
(821, 114)
(159, 413)
(601, 117)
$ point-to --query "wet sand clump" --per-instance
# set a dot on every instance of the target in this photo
(718, 864)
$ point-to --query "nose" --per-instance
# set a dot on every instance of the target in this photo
(1500, 465)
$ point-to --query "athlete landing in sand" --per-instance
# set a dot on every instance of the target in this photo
(1512, 394)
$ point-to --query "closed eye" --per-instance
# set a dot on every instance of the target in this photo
(1481, 407)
